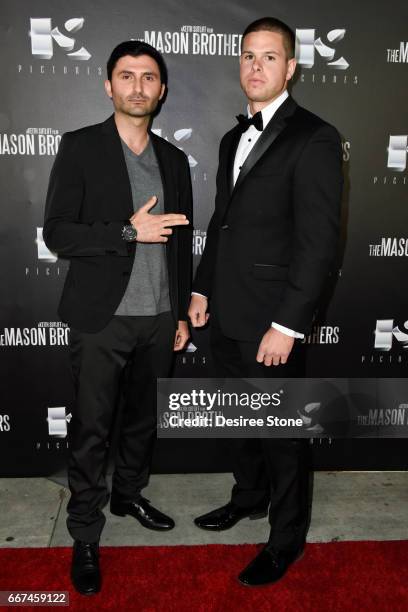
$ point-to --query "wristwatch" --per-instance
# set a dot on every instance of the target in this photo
(129, 233)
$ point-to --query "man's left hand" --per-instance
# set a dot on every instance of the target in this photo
(182, 335)
(275, 348)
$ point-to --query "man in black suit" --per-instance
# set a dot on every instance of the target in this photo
(116, 191)
(270, 244)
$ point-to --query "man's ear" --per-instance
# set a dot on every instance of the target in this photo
(108, 88)
(291, 68)
(162, 91)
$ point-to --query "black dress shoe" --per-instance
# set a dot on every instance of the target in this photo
(227, 516)
(269, 566)
(85, 572)
(143, 511)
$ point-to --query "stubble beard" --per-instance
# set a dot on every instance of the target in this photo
(145, 111)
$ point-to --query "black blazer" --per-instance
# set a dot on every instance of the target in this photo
(272, 237)
(89, 200)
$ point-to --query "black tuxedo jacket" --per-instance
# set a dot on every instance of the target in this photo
(272, 237)
(89, 200)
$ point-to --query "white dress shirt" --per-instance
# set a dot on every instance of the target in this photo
(245, 146)
(251, 136)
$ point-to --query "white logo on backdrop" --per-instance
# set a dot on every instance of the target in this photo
(57, 421)
(385, 332)
(307, 44)
(310, 416)
(191, 348)
(397, 153)
(181, 135)
(43, 252)
(43, 35)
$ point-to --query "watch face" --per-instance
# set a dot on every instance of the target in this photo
(129, 232)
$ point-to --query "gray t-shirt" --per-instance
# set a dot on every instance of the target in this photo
(148, 290)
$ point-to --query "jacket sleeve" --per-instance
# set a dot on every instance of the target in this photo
(317, 190)
(63, 232)
(185, 242)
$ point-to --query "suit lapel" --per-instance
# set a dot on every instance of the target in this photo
(235, 138)
(164, 168)
(123, 201)
(276, 125)
(167, 183)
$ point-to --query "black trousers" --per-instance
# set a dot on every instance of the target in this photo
(98, 361)
(267, 469)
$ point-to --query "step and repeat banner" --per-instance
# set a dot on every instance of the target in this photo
(352, 71)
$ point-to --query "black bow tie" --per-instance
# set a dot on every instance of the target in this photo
(245, 122)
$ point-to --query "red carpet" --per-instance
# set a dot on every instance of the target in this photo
(355, 576)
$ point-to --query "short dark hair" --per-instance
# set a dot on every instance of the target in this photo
(274, 25)
(136, 48)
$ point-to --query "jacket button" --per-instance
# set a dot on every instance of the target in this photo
(224, 227)
(126, 273)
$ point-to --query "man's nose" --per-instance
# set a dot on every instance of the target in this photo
(256, 65)
(137, 86)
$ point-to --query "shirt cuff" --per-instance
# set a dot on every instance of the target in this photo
(200, 294)
(287, 331)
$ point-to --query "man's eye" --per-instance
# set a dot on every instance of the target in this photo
(248, 57)
(270, 57)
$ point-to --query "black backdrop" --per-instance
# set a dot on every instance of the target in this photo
(353, 62)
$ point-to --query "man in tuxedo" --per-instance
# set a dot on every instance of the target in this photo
(118, 207)
(270, 244)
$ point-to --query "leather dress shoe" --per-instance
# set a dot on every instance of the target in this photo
(227, 516)
(269, 566)
(85, 572)
(143, 511)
